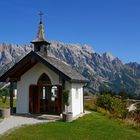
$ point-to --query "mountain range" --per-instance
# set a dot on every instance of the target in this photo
(105, 72)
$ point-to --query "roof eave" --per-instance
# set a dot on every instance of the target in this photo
(4, 77)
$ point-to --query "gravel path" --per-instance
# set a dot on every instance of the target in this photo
(17, 121)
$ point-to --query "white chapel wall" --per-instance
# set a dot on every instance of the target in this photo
(30, 78)
(75, 98)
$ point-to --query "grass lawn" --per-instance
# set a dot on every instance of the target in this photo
(93, 126)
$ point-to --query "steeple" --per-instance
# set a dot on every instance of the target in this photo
(40, 42)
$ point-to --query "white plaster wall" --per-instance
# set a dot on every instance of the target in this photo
(29, 78)
(75, 98)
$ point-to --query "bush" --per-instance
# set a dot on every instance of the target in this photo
(66, 97)
(115, 106)
(137, 116)
(104, 101)
(119, 108)
(3, 95)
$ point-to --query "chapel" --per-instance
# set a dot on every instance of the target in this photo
(40, 80)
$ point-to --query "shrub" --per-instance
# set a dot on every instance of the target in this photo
(104, 101)
(3, 95)
(66, 98)
(115, 106)
(119, 108)
(137, 116)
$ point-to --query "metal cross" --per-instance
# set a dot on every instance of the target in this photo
(41, 14)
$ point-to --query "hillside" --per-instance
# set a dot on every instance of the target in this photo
(93, 126)
(105, 71)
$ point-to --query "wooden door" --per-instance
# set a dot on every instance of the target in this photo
(52, 103)
(58, 103)
(34, 99)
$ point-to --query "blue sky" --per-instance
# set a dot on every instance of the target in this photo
(106, 25)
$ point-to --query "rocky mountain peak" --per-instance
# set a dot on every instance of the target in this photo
(108, 56)
(105, 72)
(88, 49)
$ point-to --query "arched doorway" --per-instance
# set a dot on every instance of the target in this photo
(44, 80)
(45, 97)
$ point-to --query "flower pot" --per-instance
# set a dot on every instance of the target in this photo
(5, 113)
(67, 117)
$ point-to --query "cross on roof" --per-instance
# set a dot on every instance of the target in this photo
(41, 14)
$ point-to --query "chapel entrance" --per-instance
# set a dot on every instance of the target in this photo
(45, 97)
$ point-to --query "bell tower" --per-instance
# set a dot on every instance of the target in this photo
(40, 42)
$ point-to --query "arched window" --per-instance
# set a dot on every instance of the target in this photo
(44, 80)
